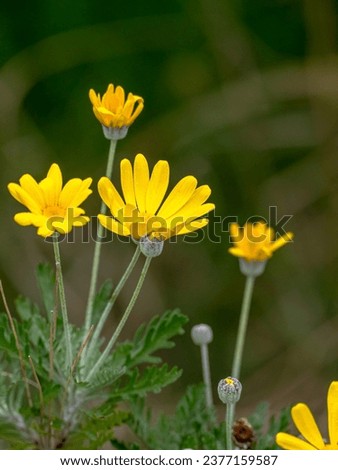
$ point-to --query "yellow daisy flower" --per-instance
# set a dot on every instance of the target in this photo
(311, 438)
(51, 207)
(256, 242)
(114, 111)
(143, 212)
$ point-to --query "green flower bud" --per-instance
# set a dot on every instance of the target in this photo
(201, 334)
(229, 390)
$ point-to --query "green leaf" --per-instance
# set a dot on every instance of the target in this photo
(193, 425)
(152, 380)
(46, 281)
(25, 307)
(150, 338)
(95, 429)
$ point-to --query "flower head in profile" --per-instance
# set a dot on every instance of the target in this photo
(51, 207)
(114, 111)
(143, 212)
(256, 241)
(311, 438)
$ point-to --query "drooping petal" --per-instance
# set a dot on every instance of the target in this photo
(157, 187)
(127, 182)
(332, 409)
(306, 425)
(178, 197)
(141, 181)
(289, 442)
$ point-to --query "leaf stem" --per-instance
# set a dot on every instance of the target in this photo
(98, 244)
(122, 321)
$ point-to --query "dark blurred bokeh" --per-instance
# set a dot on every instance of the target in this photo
(243, 94)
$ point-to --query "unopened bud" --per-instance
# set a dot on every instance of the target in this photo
(151, 247)
(251, 268)
(115, 133)
(201, 334)
(229, 390)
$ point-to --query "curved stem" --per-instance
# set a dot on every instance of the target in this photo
(243, 322)
(63, 304)
(98, 244)
(123, 320)
(111, 302)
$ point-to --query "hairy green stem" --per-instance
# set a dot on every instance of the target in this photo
(98, 244)
(229, 419)
(206, 375)
(123, 320)
(111, 303)
(63, 304)
(243, 323)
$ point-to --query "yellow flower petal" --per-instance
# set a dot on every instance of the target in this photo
(27, 218)
(28, 184)
(306, 425)
(195, 207)
(23, 197)
(281, 241)
(110, 196)
(157, 186)
(178, 197)
(127, 182)
(191, 226)
(113, 225)
(51, 186)
(141, 181)
(75, 192)
(332, 406)
(288, 442)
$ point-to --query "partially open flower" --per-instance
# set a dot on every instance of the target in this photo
(254, 244)
(229, 390)
(114, 111)
(51, 207)
(143, 211)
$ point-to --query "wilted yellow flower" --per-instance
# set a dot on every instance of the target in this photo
(256, 241)
(305, 423)
(114, 111)
(51, 207)
(143, 212)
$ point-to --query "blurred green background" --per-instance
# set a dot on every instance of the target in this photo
(243, 94)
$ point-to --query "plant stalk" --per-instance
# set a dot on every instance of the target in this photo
(123, 320)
